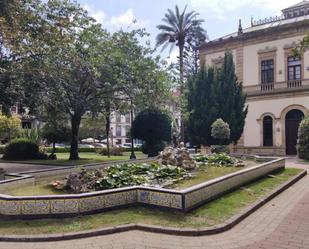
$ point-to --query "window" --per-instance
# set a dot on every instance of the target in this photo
(118, 131)
(118, 118)
(267, 71)
(128, 131)
(268, 131)
(294, 68)
(127, 118)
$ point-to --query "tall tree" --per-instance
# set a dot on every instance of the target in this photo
(202, 106)
(213, 94)
(231, 98)
(179, 27)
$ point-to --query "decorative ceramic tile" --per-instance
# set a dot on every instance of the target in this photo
(10, 207)
(90, 204)
(57, 206)
(71, 206)
(33, 207)
(160, 198)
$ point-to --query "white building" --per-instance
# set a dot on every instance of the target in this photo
(120, 128)
(276, 82)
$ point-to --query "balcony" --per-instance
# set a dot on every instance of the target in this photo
(277, 87)
(265, 87)
(294, 83)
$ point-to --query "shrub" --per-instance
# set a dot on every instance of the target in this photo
(22, 149)
(154, 127)
(34, 135)
(220, 149)
(2, 147)
(154, 150)
(303, 139)
(114, 151)
(220, 130)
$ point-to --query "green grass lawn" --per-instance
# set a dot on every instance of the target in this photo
(209, 214)
(85, 158)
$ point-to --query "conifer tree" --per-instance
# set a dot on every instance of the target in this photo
(202, 106)
(231, 99)
(213, 94)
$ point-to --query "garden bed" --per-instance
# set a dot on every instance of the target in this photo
(211, 214)
(42, 185)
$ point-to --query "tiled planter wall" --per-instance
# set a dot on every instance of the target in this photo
(67, 205)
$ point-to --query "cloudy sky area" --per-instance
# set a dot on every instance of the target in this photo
(221, 16)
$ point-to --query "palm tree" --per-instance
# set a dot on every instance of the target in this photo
(179, 28)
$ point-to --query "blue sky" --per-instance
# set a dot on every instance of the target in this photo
(221, 16)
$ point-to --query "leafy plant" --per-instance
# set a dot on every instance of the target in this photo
(220, 130)
(218, 159)
(124, 175)
(22, 149)
(303, 139)
(114, 151)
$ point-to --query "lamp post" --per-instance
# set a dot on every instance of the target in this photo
(132, 156)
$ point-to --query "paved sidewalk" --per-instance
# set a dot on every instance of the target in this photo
(281, 223)
(22, 167)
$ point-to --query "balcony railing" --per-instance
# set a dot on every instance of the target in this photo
(267, 87)
(294, 83)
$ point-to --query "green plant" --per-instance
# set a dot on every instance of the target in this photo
(114, 151)
(220, 131)
(123, 175)
(22, 149)
(218, 159)
(219, 149)
(153, 127)
(34, 135)
(9, 126)
(303, 139)
(2, 148)
(153, 150)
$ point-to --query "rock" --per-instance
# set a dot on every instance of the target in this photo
(177, 157)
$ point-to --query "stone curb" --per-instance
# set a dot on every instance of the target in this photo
(159, 229)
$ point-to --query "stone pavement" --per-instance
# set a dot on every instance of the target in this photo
(283, 223)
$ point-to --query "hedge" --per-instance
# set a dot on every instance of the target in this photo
(22, 149)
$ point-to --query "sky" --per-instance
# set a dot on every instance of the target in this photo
(221, 16)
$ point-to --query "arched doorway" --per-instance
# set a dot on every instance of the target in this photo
(292, 121)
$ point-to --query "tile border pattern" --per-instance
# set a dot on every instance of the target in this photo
(51, 206)
(230, 223)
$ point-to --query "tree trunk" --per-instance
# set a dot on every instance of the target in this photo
(182, 123)
(54, 148)
(75, 123)
(107, 127)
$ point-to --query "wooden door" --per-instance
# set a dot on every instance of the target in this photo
(292, 121)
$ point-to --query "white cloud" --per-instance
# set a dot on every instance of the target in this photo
(221, 7)
(124, 20)
(98, 15)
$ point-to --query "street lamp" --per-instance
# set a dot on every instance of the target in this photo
(132, 156)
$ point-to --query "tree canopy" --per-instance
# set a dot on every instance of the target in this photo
(54, 51)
